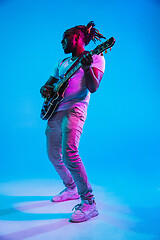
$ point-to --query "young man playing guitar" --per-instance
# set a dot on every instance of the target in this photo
(65, 126)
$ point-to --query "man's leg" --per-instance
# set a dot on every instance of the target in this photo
(54, 150)
(72, 127)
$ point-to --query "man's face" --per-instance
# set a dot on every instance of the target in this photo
(68, 42)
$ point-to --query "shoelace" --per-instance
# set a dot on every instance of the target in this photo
(78, 207)
(64, 190)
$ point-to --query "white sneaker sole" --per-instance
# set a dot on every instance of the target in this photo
(69, 198)
(87, 217)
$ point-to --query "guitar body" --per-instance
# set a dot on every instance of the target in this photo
(51, 103)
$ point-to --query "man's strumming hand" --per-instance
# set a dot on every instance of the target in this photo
(46, 91)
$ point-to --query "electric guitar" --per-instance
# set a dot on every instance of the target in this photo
(50, 103)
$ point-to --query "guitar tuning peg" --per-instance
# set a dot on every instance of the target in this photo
(106, 51)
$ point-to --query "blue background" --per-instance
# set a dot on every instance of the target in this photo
(120, 143)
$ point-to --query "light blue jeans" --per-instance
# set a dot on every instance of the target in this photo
(63, 135)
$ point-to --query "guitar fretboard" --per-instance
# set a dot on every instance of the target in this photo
(100, 48)
(68, 75)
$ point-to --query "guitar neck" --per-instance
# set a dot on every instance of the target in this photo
(99, 49)
(68, 75)
(72, 71)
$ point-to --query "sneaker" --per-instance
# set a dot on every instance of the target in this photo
(83, 212)
(66, 194)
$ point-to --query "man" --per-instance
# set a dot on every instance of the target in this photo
(64, 128)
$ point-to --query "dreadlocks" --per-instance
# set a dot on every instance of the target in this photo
(87, 33)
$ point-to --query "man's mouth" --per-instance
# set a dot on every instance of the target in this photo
(64, 46)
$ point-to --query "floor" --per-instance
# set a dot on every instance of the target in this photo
(27, 213)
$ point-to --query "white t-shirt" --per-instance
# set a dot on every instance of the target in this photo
(77, 93)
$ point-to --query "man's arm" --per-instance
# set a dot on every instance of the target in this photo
(47, 89)
(51, 81)
(93, 78)
(92, 75)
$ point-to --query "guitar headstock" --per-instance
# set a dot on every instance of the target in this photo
(104, 46)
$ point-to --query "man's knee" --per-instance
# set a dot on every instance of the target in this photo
(70, 155)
